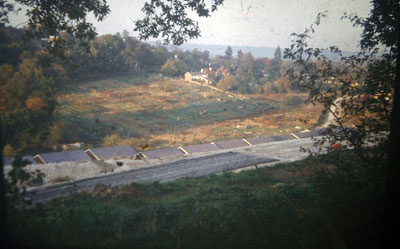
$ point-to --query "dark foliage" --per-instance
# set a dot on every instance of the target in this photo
(169, 18)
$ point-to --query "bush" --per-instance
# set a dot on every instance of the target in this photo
(259, 90)
(229, 83)
(174, 67)
(245, 89)
(270, 88)
(9, 151)
(351, 197)
(283, 85)
(112, 140)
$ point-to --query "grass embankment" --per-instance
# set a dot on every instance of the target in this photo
(333, 201)
(140, 110)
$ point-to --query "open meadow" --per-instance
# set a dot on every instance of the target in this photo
(158, 112)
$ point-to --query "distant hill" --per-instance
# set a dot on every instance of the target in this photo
(257, 52)
(220, 49)
(215, 50)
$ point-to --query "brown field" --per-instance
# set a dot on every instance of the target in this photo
(170, 112)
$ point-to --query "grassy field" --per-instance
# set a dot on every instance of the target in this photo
(332, 201)
(149, 110)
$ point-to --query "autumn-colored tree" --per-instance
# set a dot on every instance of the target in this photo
(228, 83)
(174, 67)
(26, 103)
(283, 85)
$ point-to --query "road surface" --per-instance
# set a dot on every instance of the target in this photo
(192, 166)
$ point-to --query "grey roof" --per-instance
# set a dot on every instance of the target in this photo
(268, 139)
(231, 144)
(190, 149)
(161, 152)
(307, 134)
(260, 140)
(283, 137)
(9, 160)
(113, 152)
(65, 156)
(29, 159)
(195, 73)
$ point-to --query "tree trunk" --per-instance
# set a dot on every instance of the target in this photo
(392, 189)
(3, 206)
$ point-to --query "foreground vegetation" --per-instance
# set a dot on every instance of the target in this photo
(333, 201)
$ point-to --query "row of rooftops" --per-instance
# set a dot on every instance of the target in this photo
(115, 152)
(126, 151)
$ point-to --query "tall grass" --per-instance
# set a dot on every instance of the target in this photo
(279, 207)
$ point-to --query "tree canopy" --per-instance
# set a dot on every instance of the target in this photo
(169, 18)
(47, 18)
(174, 67)
(228, 53)
(366, 90)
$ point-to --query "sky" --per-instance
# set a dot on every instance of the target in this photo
(259, 23)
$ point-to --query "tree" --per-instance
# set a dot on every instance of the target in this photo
(383, 28)
(246, 72)
(228, 83)
(278, 55)
(11, 46)
(160, 54)
(47, 18)
(276, 64)
(194, 59)
(263, 66)
(282, 85)
(26, 104)
(170, 19)
(240, 54)
(228, 53)
(107, 51)
(239, 57)
(174, 67)
(366, 88)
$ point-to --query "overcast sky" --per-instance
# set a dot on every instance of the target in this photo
(261, 23)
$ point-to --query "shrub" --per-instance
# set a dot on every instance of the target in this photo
(245, 89)
(270, 88)
(174, 67)
(112, 140)
(351, 197)
(9, 151)
(229, 83)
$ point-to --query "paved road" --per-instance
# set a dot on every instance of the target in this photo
(191, 167)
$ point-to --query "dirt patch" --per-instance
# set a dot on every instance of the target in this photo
(105, 192)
